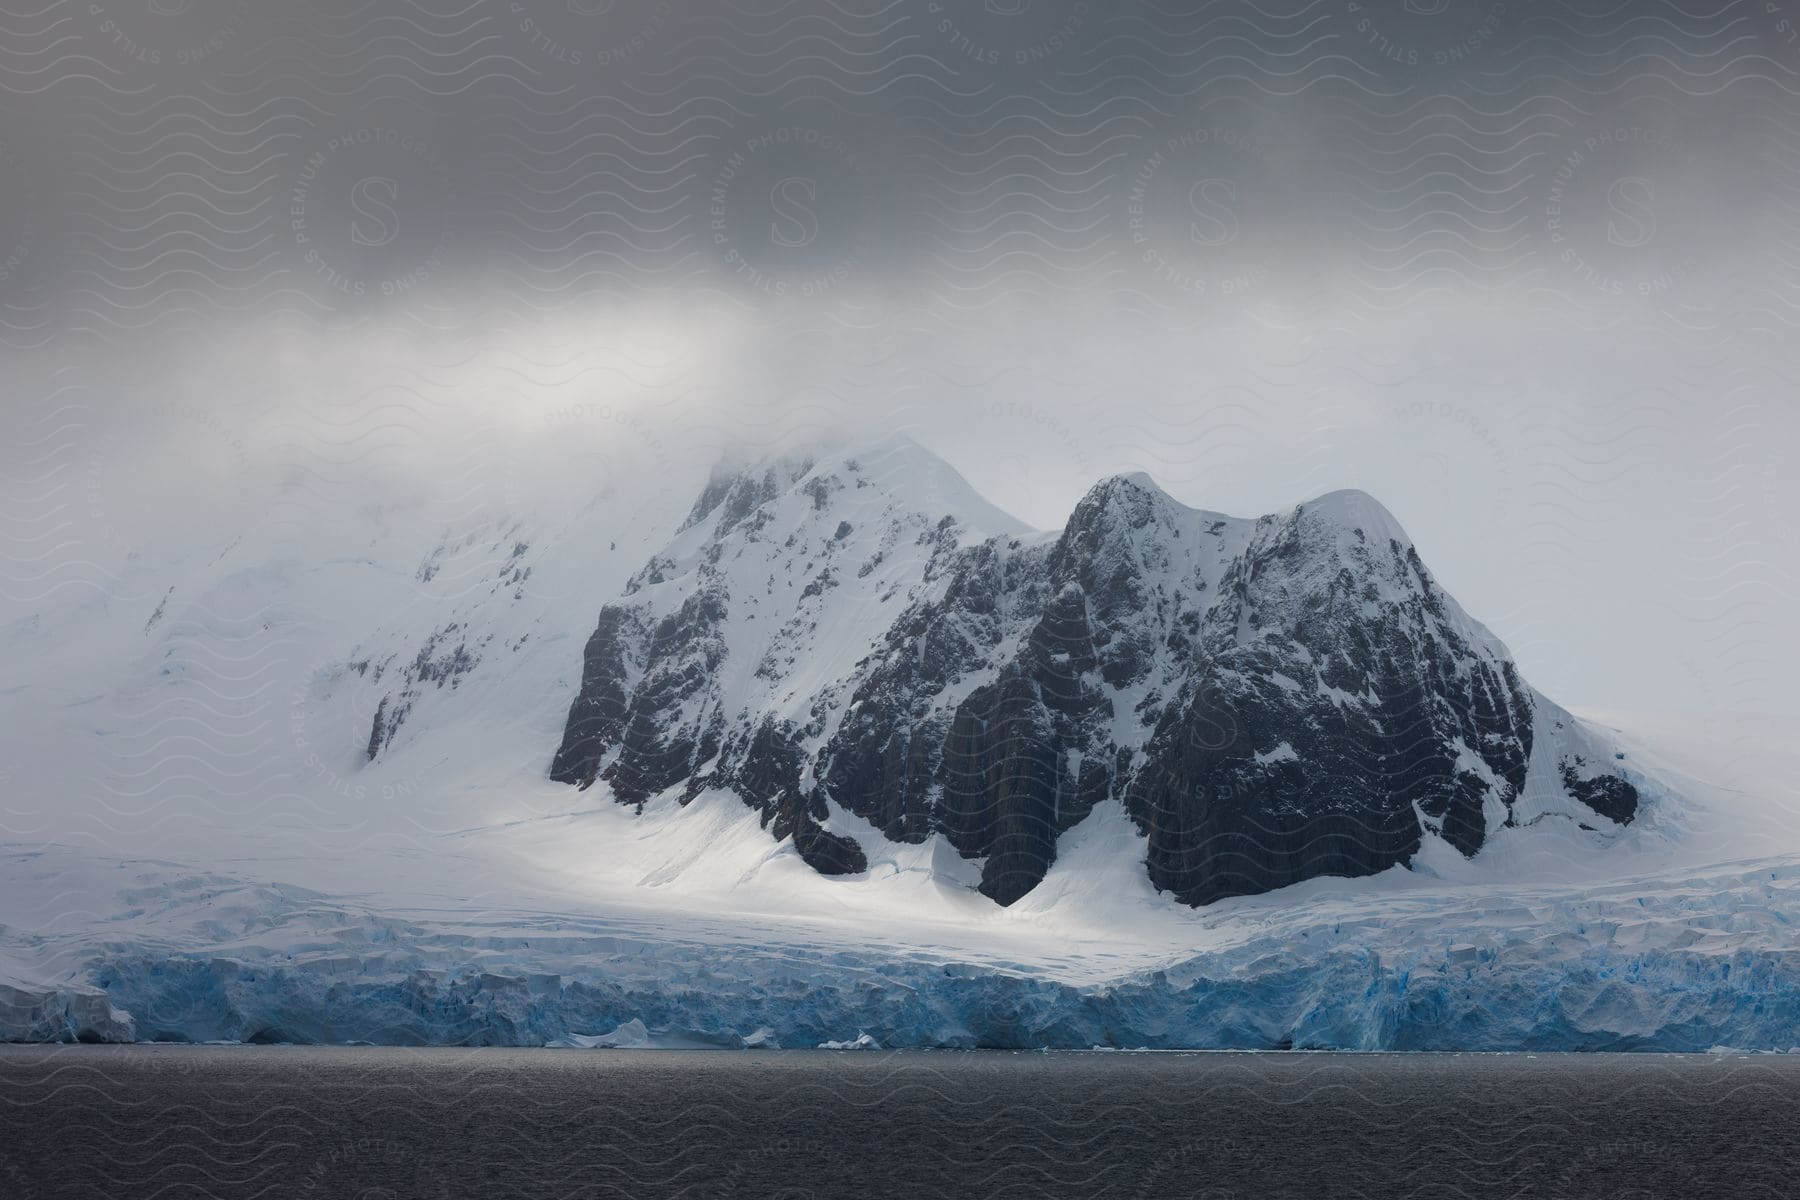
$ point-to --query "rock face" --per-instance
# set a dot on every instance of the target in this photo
(1270, 699)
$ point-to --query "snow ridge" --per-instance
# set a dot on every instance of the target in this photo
(862, 635)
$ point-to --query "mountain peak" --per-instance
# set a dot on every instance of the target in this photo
(735, 488)
(897, 466)
(895, 444)
(1133, 492)
(858, 646)
(1133, 482)
(921, 480)
(1354, 509)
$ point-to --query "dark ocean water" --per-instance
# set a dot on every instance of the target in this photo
(355, 1124)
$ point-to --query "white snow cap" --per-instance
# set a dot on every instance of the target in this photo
(1142, 481)
(917, 479)
(1353, 508)
(922, 481)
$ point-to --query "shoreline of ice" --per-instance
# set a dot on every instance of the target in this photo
(1689, 963)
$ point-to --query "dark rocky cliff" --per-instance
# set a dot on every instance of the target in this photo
(1270, 700)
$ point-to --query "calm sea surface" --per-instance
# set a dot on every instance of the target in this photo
(267, 1122)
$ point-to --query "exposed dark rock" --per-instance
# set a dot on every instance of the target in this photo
(482, 567)
(1609, 795)
(597, 718)
(1268, 700)
(442, 661)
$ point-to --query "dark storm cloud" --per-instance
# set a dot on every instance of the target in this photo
(218, 153)
(1525, 270)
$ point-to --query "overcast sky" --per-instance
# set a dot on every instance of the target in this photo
(1526, 272)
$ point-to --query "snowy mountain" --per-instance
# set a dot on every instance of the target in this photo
(288, 780)
(863, 650)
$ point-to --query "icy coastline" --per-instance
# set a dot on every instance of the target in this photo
(1680, 965)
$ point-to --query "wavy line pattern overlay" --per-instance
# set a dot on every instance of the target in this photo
(434, 313)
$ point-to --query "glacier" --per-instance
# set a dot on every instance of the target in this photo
(1684, 963)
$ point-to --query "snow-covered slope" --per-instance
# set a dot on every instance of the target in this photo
(214, 701)
(862, 642)
(199, 844)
